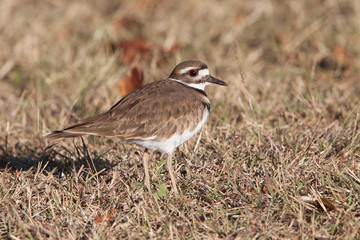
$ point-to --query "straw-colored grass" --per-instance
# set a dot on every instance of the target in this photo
(279, 157)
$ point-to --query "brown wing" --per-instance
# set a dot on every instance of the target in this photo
(157, 109)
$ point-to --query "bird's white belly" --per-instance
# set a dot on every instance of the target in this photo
(169, 145)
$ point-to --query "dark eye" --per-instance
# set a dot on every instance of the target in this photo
(192, 73)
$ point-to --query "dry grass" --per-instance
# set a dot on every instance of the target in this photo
(285, 129)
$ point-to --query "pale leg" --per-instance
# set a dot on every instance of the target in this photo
(171, 172)
(146, 168)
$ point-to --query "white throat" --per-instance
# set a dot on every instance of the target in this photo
(200, 86)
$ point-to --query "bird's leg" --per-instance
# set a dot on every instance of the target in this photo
(146, 158)
(171, 172)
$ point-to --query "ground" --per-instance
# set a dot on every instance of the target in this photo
(279, 157)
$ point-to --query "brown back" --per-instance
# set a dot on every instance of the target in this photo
(161, 109)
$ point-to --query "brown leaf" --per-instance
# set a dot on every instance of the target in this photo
(327, 204)
(108, 216)
(268, 188)
(99, 219)
(132, 81)
(341, 55)
(136, 44)
(126, 22)
(132, 48)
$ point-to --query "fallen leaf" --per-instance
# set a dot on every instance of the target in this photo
(140, 47)
(132, 82)
(126, 22)
(133, 48)
(268, 188)
(264, 188)
(341, 55)
(108, 216)
(99, 219)
(329, 206)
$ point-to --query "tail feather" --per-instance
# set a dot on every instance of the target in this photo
(87, 127)
(61, 134)
(90, 126)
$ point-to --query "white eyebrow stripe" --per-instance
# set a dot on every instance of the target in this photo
(185, 70)
(202, 72)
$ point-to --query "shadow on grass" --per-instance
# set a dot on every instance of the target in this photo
(53, 158)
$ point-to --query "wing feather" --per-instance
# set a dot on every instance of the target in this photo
(146, 112)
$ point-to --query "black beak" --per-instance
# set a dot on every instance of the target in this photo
(212, 79)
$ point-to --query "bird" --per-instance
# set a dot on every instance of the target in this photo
(159, 116)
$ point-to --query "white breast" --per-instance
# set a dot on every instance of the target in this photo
(169, 145)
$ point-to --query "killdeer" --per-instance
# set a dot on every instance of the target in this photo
(159, 116)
